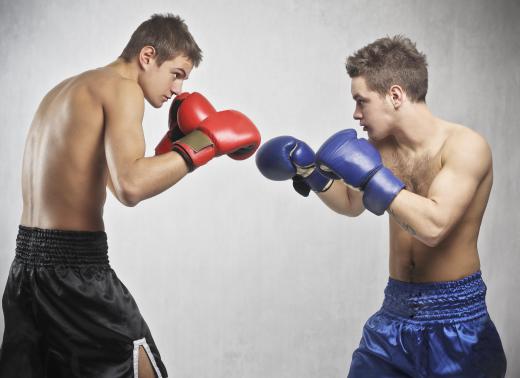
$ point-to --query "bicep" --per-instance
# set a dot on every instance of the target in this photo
(454, 187)
(124, 137)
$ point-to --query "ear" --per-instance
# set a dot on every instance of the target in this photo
(147, 57)
(397, 96)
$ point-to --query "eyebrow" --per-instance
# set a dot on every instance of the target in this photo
(183, 72)
(357, 96)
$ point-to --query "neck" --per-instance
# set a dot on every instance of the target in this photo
(128, 70)
(416, 128)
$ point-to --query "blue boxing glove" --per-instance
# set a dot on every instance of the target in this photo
(359, 164)
(286, 157)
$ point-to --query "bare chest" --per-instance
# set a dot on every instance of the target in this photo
(416, 172)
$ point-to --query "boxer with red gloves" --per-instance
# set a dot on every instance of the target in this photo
(206, 133)
(88, 325)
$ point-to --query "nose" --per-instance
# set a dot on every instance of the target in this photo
(357, 114)
(176, 87)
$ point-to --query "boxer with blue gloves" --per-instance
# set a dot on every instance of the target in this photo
(433, 178)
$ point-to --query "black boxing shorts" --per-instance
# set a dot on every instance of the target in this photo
(66, 312)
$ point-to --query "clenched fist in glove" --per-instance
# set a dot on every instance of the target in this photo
(206, 133)
(286, 157)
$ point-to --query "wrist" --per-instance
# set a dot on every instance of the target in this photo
(196, 148)
(313, 180)
(381, 190)
(318, 182)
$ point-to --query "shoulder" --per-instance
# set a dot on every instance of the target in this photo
(115, 91)
(462, 140)
(108, 85)
(465, 147)
(114, 84)
(126, 88)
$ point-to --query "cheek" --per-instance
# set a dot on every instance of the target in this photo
(168, 83)
(151, 84)
(157, 82)
(163, 85)
(377, 113)
(368, 113)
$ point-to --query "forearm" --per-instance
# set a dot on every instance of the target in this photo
(421, 217)
(342, 199)
(148, 176)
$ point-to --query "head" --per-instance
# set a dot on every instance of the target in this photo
(387, 75)
(165, 52)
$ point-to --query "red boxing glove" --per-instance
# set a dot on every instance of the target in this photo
(166, 143)
(227, 132)
(192, 109)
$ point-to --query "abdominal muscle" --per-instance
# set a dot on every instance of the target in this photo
(412, 261)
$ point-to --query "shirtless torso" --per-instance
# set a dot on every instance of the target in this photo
(86, 135)
(456, 256)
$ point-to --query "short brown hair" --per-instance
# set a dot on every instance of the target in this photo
(168, 35)
(389, 61)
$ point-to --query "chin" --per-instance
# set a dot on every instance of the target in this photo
(372, 136)
(155, 104)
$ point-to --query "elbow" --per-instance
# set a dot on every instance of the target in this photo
(128, 201)
(351, 212)
(129, 194)
(435, 236)
(347, 211)
(431, 242)
(436, 228)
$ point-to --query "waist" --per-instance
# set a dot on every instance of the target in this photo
(45, 247)
(438, 302)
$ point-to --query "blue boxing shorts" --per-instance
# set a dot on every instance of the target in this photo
(66, 312)
(431, 330)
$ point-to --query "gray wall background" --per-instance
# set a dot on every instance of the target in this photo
(238, 276)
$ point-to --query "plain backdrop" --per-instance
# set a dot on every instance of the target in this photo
(238, 276)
